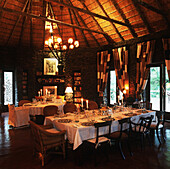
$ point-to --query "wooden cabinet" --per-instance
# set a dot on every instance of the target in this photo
(77, 88)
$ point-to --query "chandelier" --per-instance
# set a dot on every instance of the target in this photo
(55, 43)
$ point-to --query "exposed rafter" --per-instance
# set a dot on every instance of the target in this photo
(12, 32)
(142, 16)
(85, 25)
(108, 38)
(88, 12)
(85, 39)
(114, 27)
(5, 3)
(124, 18)
(50, 20)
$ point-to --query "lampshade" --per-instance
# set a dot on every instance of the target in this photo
(68, 90)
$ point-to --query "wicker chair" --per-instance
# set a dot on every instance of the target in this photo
(21, 102)
(69, 107)
(47, 138)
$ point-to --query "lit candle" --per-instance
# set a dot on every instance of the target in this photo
(87, 104)
(118, 99)
(41, 92)
(46, 91)
(82, 102)
(49, 93)
(38, 93)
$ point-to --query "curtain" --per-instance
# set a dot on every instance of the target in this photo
(120, 57)
(144, 57)
(103, 58)
(166, 46)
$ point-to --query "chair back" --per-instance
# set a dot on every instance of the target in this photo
(160, 117)
(93, 105)
(122, 123)
(50, 110)
(69, 107)
(147, 105)
(12, 115)
(144, 124)
(102, 124)
(21, 102)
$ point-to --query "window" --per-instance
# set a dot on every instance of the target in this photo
(8, 88)
(112, 87)
(167, 92)
(155, 87)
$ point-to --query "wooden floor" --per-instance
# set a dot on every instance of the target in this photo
(16, 153)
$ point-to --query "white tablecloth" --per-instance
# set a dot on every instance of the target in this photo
(37, 109)
(19, 116)
(76, 133)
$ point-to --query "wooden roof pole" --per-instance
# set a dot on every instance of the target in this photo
(85, 25)
(114, 27)
(142, 16)
(124, 18)
(50, 20)
(88, 12)
(108, 38)
(12, 32)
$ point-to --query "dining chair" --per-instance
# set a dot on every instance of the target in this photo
(69, 107)
(146, 104)
(93, 105)
(50, 110)
(46, 139)
(100, 139)
(141, 129)
(21, 102)
(158, 125)
(122, 135)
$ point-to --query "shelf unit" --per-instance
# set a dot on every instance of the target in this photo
(77, 88)
(24, 85)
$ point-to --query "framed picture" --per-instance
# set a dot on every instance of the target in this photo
(50, 90)
(50, 66)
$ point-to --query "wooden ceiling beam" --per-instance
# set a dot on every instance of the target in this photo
(150, 7)
(124, 18)
(88, 12)
(85, 39)
(81, 19)
(72, 23)
(142, 16)
(114, 27)
(4, 5)
(50, 20)
(12, 32)
(159, 2)
(107, 37)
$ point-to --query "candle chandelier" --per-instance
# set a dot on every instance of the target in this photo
(54, 43)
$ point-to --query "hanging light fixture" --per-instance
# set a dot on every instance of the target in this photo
(56, 45)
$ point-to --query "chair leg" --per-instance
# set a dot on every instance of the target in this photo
(142, 141)
(149, 139)
(121, 152)
(157, 133)
(129, 148)
(162, 132)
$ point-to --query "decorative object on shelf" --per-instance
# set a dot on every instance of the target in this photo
(69, 94)
(77, 87)
(55, 44)
(167, 86)
(50, 91)
(25, 85)
(50, 66)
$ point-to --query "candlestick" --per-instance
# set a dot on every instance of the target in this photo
(118, 99)
(87, 104)
(122, 100)
(46, 91)
(41, 92)
(82, 102)
(49, 93)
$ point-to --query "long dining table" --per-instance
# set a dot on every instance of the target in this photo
(79, 127)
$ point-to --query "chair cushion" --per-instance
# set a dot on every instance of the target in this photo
(53, 130)
(115, 135)
(100, 140)
(137, 129)
(154, 125)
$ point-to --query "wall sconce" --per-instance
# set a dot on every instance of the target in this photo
(69, 94)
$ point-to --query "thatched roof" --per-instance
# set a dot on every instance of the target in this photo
(93, 23)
